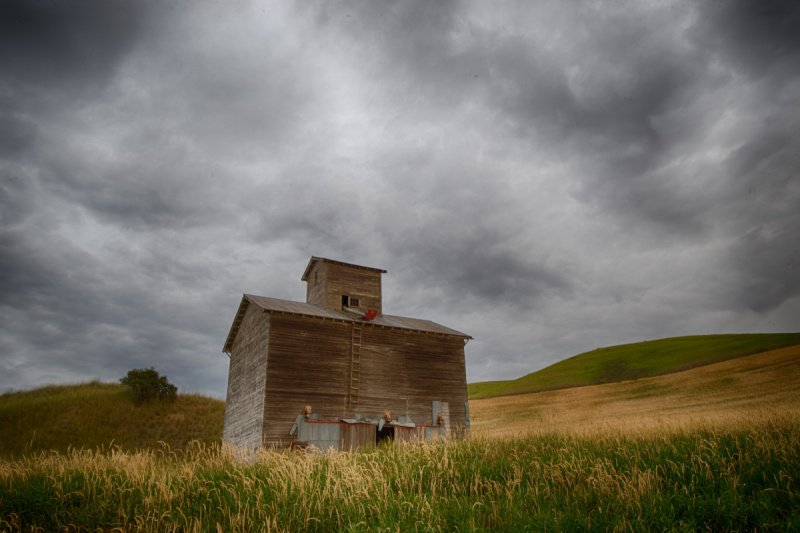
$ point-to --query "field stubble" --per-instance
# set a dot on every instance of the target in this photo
(727, 395)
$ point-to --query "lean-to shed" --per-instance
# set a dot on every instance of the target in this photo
(339, 353)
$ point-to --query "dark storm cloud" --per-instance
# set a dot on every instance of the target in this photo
(525, 82)
(453, 244)
(74, 316)
(57, 57)
(592, 94)
(479, 267)
(767, 260)
(118, 139)
(626, 101)
(74, 45)
(760, 36)
(605, 115)
(765, 211)
(17, 135)
(548, 177)
(761, 198)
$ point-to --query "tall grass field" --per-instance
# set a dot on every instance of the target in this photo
(715, 447)
(742, 478)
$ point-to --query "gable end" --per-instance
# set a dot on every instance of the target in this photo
(237, 322)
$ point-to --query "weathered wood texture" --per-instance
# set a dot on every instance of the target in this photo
(356, 436)
(404, 372)
(309, 365)
(324, 357)
(316, 283)
(327, 282)
(401, 372)
(244, 407)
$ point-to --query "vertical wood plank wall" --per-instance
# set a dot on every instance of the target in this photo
(384, 376)
(437, 372)
(362, 284)
(309, 364)
(402, 372)
(315, 284)
(244, 407)
(405, 372)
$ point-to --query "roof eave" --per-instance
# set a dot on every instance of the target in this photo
(237, 321)
(247, 301)
(315, 259)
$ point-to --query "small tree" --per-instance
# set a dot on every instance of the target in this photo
(146, 384)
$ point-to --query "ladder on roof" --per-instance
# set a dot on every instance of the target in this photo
(355, 366)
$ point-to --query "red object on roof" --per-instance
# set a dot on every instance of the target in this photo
(370, 315)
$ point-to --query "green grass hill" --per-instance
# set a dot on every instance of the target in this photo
(100, 414)
(633, 361)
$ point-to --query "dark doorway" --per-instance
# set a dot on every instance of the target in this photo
(385, 435)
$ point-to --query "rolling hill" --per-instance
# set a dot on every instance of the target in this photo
(763, 388)
(634, 361)
(99, 414)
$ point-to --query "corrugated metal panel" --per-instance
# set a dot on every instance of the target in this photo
(442, 409)
(417, 324)
(352, 434)
(389, 321)
(321, 434)
(434, 432)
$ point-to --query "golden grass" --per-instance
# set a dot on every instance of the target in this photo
(638, 360)
(98, 414)
(730, 394)
(713, 448)
(702, 480)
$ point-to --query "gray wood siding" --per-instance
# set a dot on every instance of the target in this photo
(384, 377)
(436, 371)
(327, 282)
(355, 282)
(315, 285)
(309, 365)
(244, 407)
(405, 372)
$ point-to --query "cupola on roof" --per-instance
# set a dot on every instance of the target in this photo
(338, 285)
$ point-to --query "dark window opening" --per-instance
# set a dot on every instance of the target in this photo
(385, 435)
(354, 302)
(345, 300)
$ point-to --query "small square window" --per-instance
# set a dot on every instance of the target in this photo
(354, 302)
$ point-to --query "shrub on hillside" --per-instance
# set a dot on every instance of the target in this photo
(146, 384)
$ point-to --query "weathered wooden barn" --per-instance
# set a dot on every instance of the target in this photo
(356, 367)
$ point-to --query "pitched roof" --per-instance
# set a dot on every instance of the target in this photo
(315, 311)
(316, 259)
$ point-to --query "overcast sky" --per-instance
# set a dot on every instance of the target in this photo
(548, 177)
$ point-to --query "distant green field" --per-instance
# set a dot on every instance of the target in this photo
(99, 414)
(633, 361)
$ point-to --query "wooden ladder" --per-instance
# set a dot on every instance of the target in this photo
(355, 365)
